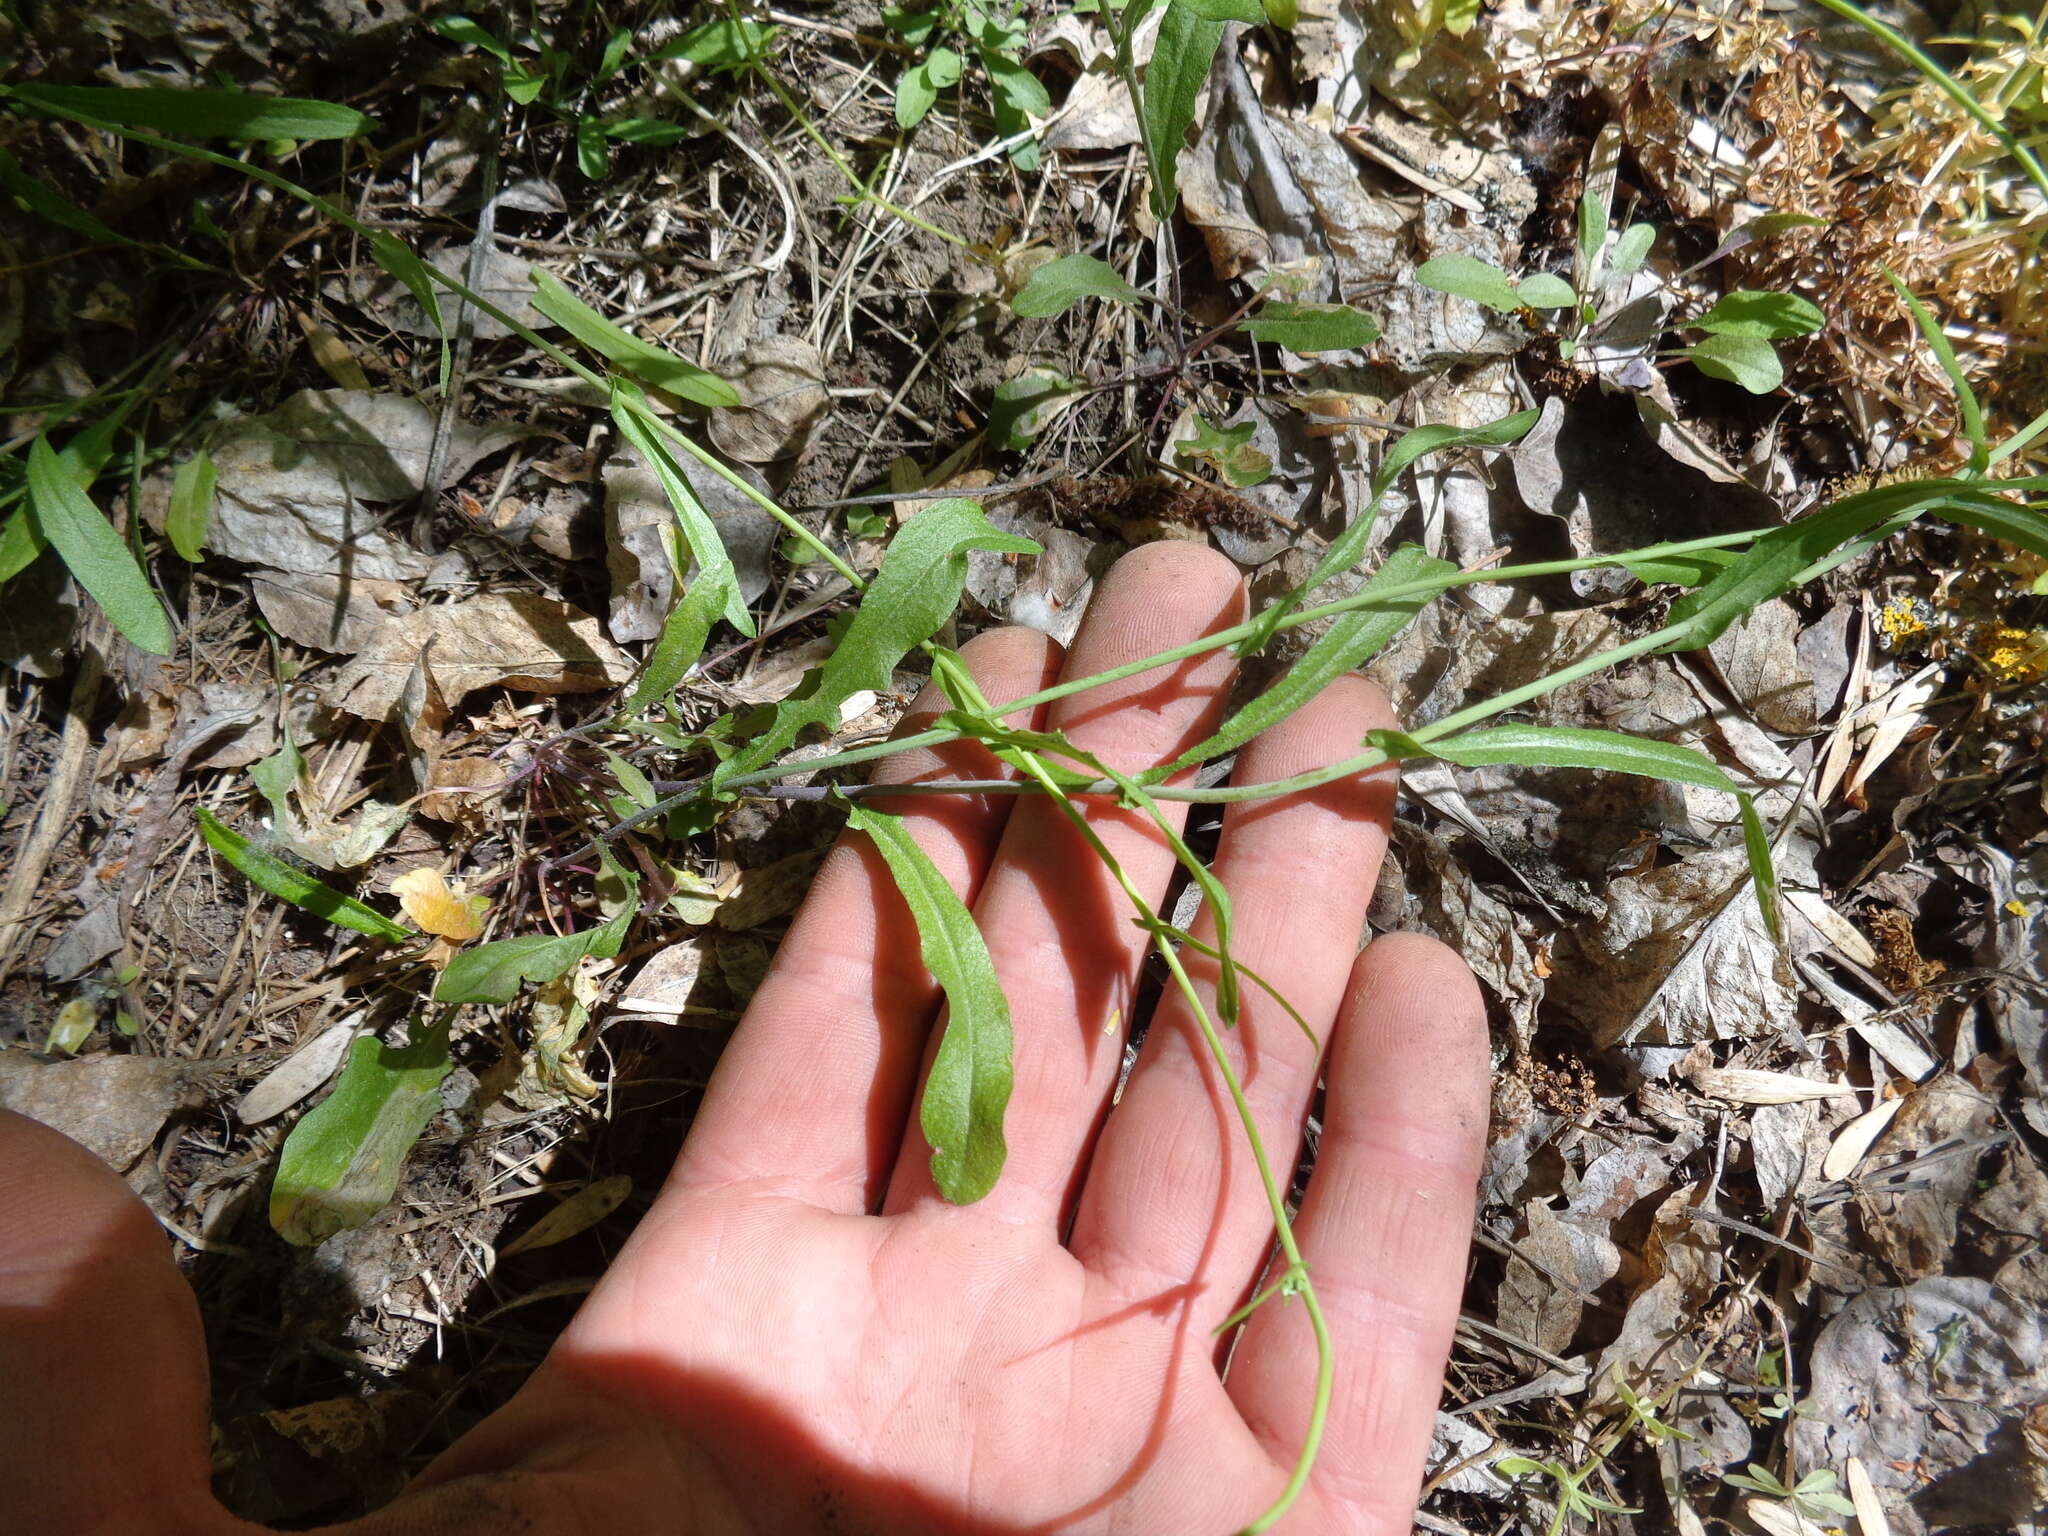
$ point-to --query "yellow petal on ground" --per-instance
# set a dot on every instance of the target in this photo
(445, 913)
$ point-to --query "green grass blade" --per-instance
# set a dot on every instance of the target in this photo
(97, 556)
(646, 362)
(342, 1162)
(290, 883)
(1969, 413)
(198, 114)
(1763, 870)
(968, 1088)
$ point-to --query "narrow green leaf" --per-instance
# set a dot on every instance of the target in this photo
(52, 207)
(472, 34)
(1969, 413)
(1778, 560)
(1181, 56)
(290, 883)
(1349, 546)
(198, 114)
(631, 415)
(97, 556)
(342, 1162)
(492, 973)
(1560, 746)
(1687, 570)
(683, 634)
(1593, 225)
(1763, 871)
(191, 509)
(643, 360)
(647, 130)
(1632, 249)
(615, 48)
(1311, 328)
(1546, 290)
(968, 1088)
(2024, 525)
(403, 263)
(1749, 361)
(1058, 286)
(593, 154)
(1352, 640)
(1765, 313)
(725, 44)
(1467, 277)
(915, 592)
(21, 544)
(523, 86)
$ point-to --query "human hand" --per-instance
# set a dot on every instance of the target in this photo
(801, 1335)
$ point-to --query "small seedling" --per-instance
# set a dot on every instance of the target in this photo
(1813, 1497)
(1740, 329)
(995, 42)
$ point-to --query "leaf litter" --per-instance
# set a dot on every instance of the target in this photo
(1724, 1167)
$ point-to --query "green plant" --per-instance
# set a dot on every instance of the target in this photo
(899, 615)
(537, 71)
(996, 42)
(1572, 1501)
(1740, 328)
(1813, 1497)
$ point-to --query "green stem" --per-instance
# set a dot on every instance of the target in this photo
(1953, 88)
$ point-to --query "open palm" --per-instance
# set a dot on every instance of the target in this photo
(802, 1336)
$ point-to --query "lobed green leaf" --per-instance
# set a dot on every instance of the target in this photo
(968, 1087)
(492, 973)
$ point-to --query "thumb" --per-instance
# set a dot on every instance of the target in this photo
(103, 1383)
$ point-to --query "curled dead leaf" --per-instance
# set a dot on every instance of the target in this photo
(1750, 1085)
(446, 912)
(781, 382)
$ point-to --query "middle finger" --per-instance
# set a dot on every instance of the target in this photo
(1059, 930)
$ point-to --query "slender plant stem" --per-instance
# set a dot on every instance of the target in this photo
(1953, 88)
